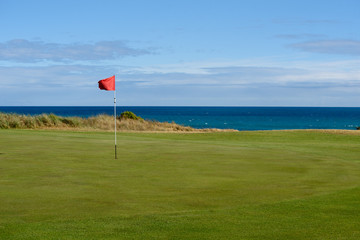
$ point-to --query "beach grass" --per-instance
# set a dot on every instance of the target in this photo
(127, 121)
(227, 185)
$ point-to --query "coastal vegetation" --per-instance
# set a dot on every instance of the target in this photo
(228, 185)
(129, 115)
(127, 121)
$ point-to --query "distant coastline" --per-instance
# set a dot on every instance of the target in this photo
(239, 118)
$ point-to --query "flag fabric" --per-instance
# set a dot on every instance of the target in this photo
(107, 84)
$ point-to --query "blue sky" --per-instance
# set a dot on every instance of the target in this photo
(180, 53)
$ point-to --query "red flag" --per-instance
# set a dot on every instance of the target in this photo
(107, 84)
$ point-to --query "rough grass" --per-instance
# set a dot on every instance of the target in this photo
(99, 122)
(266, 185)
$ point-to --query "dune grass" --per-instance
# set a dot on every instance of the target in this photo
(245, 185)
(99, 122)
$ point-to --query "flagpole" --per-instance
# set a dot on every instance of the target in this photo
(115, 121)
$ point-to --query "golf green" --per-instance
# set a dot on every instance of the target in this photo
(242, 185)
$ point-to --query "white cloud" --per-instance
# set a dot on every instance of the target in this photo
(226, 74)
(203, 83)
(253, 74)
(227, 83)
(343, 47)
(20, 50)
(300, 36)
(57, 77)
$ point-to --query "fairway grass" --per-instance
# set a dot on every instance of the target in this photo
(227, 185)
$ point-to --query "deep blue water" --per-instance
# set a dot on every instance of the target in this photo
(241, 118)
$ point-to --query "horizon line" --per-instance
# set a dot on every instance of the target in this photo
(184, 106)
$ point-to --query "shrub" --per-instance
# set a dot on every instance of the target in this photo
(129, 115)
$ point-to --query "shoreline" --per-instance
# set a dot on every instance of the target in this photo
(239, 118)
(196, 131)
(104, 122)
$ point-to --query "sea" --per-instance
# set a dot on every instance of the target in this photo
(240, 118)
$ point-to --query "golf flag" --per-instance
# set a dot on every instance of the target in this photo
(107, 84)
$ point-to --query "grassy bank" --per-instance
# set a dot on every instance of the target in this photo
(246, 185)
(99, 122)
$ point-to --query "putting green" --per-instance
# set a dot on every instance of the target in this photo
(246, 185)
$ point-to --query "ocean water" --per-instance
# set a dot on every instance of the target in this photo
(241, 118)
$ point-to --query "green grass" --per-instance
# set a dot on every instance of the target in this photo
(246, 185)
